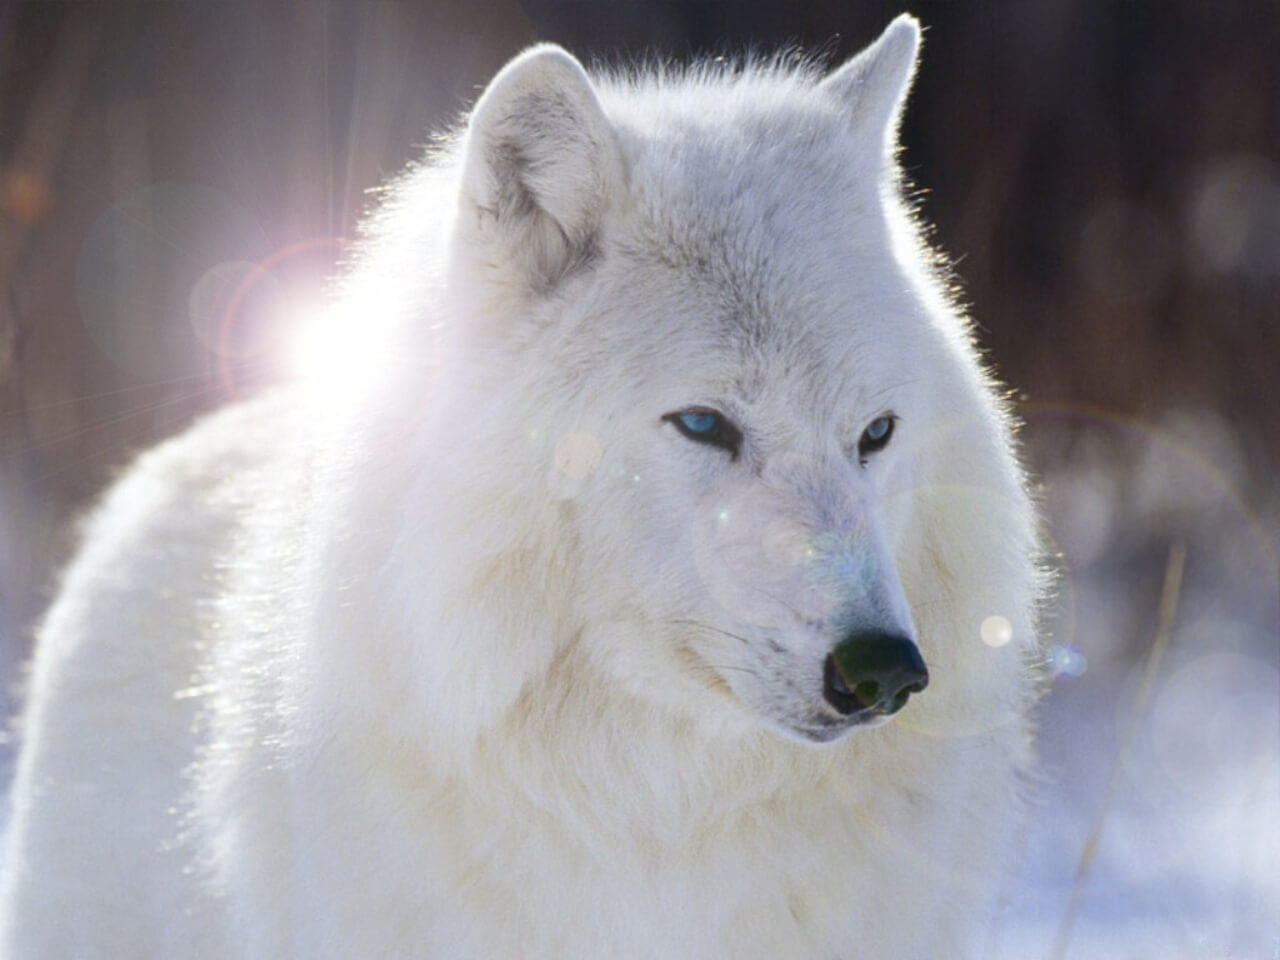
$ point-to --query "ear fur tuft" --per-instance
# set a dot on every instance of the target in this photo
(540, 164)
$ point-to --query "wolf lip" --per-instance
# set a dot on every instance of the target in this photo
(827, 729)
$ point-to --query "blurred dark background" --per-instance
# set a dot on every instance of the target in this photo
(173, 176)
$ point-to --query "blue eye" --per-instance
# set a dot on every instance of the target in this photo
(876, 436)
(879, 428)
(698, 421)
(707, 427)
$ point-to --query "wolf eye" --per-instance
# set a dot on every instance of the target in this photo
(707, 426)
(699, 421)
(876, 436)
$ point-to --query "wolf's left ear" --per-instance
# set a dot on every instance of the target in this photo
(540, 164)
(874, 83)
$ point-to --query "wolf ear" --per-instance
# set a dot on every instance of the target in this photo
(874, 83)
(540, 163)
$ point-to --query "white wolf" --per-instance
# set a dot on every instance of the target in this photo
(573, 624)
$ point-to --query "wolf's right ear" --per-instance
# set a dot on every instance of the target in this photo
(540, 164)
(874, 83)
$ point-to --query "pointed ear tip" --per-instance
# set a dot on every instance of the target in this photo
(547, 52)
(903, 35)
(542, 67)
(544, 57)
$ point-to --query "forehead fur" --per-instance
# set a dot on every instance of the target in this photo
(737, 161)
(754, 186)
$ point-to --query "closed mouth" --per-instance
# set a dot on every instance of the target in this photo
(824, 729)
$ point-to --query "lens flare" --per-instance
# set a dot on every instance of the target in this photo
(577, 454)
(1066, 662)
(996, 630)
(331, 352)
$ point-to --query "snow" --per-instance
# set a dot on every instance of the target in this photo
(1173, 779)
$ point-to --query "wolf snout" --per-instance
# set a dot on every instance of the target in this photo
(873, 670)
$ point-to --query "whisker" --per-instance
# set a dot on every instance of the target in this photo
(708, 627)
(720, 667)
(781, 602)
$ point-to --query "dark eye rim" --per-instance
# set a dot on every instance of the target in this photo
(868, 445)
(725, 435)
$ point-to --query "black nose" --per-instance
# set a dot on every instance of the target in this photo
(872, 670)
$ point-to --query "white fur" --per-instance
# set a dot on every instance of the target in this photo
(486, 659)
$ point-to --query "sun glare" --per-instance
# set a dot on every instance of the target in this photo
(334, 352)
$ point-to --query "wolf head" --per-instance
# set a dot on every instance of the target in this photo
(771, 480)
